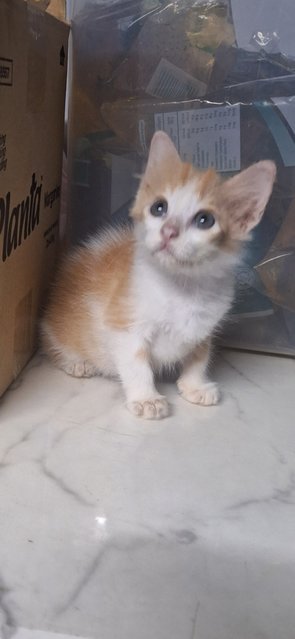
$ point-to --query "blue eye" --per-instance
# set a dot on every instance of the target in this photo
(204, 220)
(159, 208)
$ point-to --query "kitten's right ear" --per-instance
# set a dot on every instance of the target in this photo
(246, 195)
(162, 153)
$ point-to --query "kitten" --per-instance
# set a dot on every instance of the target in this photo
(132, 302)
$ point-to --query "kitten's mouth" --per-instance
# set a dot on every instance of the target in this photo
(167, 248)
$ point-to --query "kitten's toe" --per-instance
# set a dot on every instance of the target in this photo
(155, 408)
(80, 369)
(89, 369)
(207, 395)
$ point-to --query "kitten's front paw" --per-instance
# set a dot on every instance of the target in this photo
(207, 395)
(154, 408)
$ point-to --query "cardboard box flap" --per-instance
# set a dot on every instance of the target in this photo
(56, 8)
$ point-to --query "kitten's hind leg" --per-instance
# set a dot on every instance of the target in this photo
(193, 384)
(64, 358)
(78, 368)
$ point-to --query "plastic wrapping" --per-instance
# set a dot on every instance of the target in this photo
(222, 84)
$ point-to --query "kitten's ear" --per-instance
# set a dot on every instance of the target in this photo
(245, 197)
(162, 153)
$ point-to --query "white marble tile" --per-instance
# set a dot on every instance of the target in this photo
(24, 633)
(116, 528)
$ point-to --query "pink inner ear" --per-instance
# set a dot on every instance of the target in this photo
(246, 222)
(246, 196)
(162, 153)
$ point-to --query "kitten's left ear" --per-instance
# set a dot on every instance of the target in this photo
(162, 153)
(245, 197)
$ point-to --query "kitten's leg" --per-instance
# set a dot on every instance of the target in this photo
(143, 399)
(64, 358)
(78, 368)
(194, 384)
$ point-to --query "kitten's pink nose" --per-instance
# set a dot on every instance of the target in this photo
(169, 231)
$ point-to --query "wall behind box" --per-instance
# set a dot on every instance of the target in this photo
(33, 56)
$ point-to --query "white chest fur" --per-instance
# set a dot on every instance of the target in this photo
(173, 316)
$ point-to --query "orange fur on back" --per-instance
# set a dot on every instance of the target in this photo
(102, 273)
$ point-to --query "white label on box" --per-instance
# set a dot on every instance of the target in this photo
(171, 83)
(207, 137)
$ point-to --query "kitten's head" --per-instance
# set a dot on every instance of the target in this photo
(186, 217)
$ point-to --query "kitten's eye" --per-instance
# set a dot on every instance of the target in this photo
(159, 208)
(204, 220)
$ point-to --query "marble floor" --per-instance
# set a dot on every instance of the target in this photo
(115, 528)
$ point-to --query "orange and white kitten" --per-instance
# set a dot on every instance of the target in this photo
(132, 302)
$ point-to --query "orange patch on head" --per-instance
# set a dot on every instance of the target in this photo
(208, 181)
(186, 174)
(171, 176)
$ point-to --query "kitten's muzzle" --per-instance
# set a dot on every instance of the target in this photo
(169, 232)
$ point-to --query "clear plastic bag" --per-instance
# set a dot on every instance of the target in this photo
(140, 65)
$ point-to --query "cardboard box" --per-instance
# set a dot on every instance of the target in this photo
(33, 64)
(56, 8)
